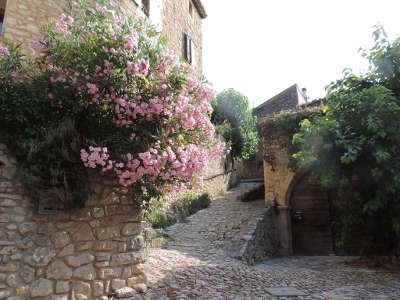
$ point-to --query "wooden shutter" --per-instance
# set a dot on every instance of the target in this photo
(146, 7)
(2, 12)
(187, 48)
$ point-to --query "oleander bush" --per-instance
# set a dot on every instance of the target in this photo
(102, 94)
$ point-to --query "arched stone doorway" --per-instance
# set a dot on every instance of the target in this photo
(311, 218)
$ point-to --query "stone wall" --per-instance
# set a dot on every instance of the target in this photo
(278, 178)
(250, 169)
(264, 240)
(68, 255)
(24, 20)
(176, 22)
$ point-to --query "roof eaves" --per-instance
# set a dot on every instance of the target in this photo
(200, 8)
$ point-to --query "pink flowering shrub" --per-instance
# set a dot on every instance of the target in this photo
(140, 114)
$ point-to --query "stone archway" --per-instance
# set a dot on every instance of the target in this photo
(310, 218)
(282, 185)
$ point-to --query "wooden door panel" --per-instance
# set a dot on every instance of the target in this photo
(313, 241)
(312, 233)
(314, 218)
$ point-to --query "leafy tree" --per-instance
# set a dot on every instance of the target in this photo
(235, 122)
(354, 148)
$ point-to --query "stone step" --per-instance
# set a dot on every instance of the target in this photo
(230, 228)
(260, 179)
(253, 237)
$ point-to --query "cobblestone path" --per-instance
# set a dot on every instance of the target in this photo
(197, 263)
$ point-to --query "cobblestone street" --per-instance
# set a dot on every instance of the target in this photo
(197, 263)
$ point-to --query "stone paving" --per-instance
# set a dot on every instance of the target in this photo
(197, 263)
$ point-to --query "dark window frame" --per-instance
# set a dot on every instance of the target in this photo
(187, 48)
(144, 6)
(2, 13)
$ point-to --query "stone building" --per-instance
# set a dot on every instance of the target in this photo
(288, 99)
(303, 218)
(178, 20)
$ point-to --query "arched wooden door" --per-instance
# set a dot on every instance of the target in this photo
(311, 219)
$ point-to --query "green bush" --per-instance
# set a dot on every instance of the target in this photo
(161, 217)
(354, 149)
(199, 203)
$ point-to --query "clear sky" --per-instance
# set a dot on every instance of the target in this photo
(261, 47)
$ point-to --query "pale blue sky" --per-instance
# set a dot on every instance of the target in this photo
(261, 47)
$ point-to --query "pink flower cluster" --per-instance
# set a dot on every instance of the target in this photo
(187, 164)
(138, 68)
(131, 41)
(63, 24)
(4, 51)
(96, 156)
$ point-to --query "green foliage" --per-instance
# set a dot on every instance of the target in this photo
(235, 122)
(161, 217)
(201, 202)
(354, 148)
(46, 146)
(289, 123)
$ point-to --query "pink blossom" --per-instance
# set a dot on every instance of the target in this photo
(4, 51)
(192, 84)
(103, 9)
(132, 68)
(131, 42)
(144, 65)
(36, 46)
(144, 190)
(70, 20)
(113, 52)
(92, 88)
(62, 26)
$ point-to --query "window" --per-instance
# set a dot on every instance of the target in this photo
(2, 12)
(190, 8)
(144, 6)
(1, 20)
(188, 48)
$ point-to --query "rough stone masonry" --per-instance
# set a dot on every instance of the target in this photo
(68, 255)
